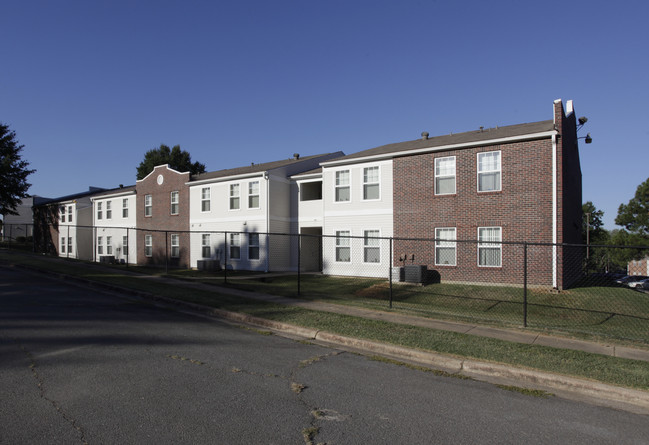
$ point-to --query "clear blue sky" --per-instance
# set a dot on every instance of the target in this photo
(90, 86)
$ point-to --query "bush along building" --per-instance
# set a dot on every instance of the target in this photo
(490, 187)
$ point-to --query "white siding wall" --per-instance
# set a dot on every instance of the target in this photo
(356, 216)
(116, 227)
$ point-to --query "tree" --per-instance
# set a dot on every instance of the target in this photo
(13, 172)
(634, 216)
(593, 226)
(177, 159)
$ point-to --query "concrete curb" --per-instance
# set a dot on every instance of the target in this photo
(599, 393)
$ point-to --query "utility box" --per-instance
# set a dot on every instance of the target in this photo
(107, 259)
(415, 273)
(398, 274)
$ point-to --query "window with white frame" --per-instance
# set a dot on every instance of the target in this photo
(489, 179)
(62, 217)
(148, 205)
(69, 244)
(148, 245)
(371, 246)
(206, 194)
(235, 246)
(125, 208)
(445, 246)
(100, 212)
(371, 183)
(109, 245)
(253, 195)
(234, 197)
(175, 200)
(445, 175)
(342, 192)
(253, 246)
(489, 246)
(125, 244)
(206, 250)
(100, 245)
(175, 246)
(69, 213)
(109, 211)
(343, 250)
(62, 244)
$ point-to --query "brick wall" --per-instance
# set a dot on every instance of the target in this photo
(162, 219)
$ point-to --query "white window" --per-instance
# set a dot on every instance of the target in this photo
(489, 246)
(100, 245)
(489, 171)
(69, 213)
(445, 175)
(125, 244)
(445, 246)
(109, 211)
(342, 186)
(148, 205)
(253, 195)
(235, 246)
(62, 209)
(206, 250)
(100, 213)
(205, 200)
(371, 246)
(148, 245)
(175, 199)
(125, 208)
(234, 196)
(343, 251)
(175, 246)
(371, 183)
(109, 245)
(253, 246)
(69, 244)
(62, 244)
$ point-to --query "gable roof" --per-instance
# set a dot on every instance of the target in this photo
(452, 141)
(253, 168)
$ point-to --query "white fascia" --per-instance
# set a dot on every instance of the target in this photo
(226, 178)
(544, 134)
(113, 195)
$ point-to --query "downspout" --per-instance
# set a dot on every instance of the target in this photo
(554, 211)
(266, 178)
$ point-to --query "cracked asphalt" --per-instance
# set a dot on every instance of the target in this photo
(77, 366)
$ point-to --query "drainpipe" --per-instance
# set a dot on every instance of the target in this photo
(554, 211)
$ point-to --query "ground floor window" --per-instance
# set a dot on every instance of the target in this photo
(62, 244)
(206, 250)
(175, 246)
(148, 245)
(489, 246)
(445, 247)
(100, 245)
(371, 246)
(253, 246)
(109, 245)
(235, 246)
(343, 251)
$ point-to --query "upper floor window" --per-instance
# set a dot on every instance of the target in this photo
(109, 211)
(175, 246)
(234, 196)
(342, 186)
(489, 171)
(100, 213)
(253, 246)
(371, 183)
(489, 246)
(253, 195)
(205, 246)
(125, 208)
(62, 209)
(175, 199)
(343, 250)
(445, 246)
(69, 213)
(445, 175)
(205, 199)
(148, 205)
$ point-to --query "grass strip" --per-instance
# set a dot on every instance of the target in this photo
(606, 369)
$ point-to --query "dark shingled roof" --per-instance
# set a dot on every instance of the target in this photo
(130, 188)
(254, 168)
(453, 139)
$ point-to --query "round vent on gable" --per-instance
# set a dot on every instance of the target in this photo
(161, 179)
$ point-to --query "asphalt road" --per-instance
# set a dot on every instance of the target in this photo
(77, 366)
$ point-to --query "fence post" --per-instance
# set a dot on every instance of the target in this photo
(390, 265)
(525, 284)
(299, 261)
(128, 246)
(225, 258)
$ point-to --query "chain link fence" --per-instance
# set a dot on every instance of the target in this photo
(576, 289)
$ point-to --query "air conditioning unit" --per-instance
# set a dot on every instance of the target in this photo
(415, 273)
